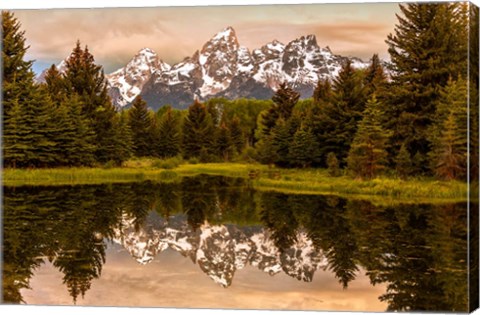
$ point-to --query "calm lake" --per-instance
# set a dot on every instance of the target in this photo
(216, 242)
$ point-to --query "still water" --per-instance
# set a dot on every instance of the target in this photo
(216, 242)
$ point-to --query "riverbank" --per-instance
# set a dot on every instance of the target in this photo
(299, 181)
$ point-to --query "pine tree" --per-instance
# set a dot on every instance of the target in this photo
(453, 102)
(198, 132)
(236, 133)
(450, 154)
(284, 101)
(427, 47)
(403, 162)
(55, 84)
(303, 151)
(14, 149)
(27, 111)
(322, 92)
(84, 148)
(280, 141)
(169, 135)
(140, 123)
(65, 136)
(367, 155)
(122, 140)
(375, 77)
(86, 80)
(17, 74)
(336, 122)
(224, 144)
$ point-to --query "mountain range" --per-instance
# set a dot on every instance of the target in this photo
(224, 68)
(219, 250)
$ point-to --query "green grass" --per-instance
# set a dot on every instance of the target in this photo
(299, 181)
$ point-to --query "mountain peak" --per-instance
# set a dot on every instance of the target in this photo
(146, 51)
(225, 34)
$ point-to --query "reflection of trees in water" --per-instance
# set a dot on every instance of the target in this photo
(419, 251)
(322, 217)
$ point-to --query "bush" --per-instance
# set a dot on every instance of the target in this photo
(333, 165)
(110, 164)
(193, 160)
(249, 155)
(168, 164)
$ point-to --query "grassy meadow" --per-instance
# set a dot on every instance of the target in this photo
(262, 177)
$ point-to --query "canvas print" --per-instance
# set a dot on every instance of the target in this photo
(284, 157)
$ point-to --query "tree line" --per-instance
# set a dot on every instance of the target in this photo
(406, 117)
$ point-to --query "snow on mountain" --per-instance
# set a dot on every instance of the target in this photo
(127, 83)
(220, 250)
(224, 68)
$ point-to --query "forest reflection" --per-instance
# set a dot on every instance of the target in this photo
(418, 250)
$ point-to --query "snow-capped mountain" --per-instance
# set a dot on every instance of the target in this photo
(220, 250)
(224, 68)
(127, 83)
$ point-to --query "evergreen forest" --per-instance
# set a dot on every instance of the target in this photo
(403, 118)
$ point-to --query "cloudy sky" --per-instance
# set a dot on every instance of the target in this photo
(172, 280)
(114, 35)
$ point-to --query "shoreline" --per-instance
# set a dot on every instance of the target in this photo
(297, 181)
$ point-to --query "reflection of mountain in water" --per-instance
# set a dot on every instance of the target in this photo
(220, 250)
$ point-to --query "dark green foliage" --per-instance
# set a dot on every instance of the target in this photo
(367, 155)
(403, 163)
(303, 151)
(333, 165)
(281, 139)
(140, 122)
(323, 92)
(375, 78)
(198, 132)
(29, 128)
(450, 154)
(335, 122)
(14, 148)
(169, 137)
(248, 113)
(449, 132)
(123, 139)
(238, 139)
(55, 85)
(266, 152)
(86, 80)
(427, 47)
(284, 101)
(17, 74)
(224, 144)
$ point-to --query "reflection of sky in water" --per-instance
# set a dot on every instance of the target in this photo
(172, 280)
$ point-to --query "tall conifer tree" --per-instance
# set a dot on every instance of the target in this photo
(284, 101)
(336, 122)
(140, 125)
(198, 132)
(169, 134)
(367, 155)
(27, 111)
(427, 47)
